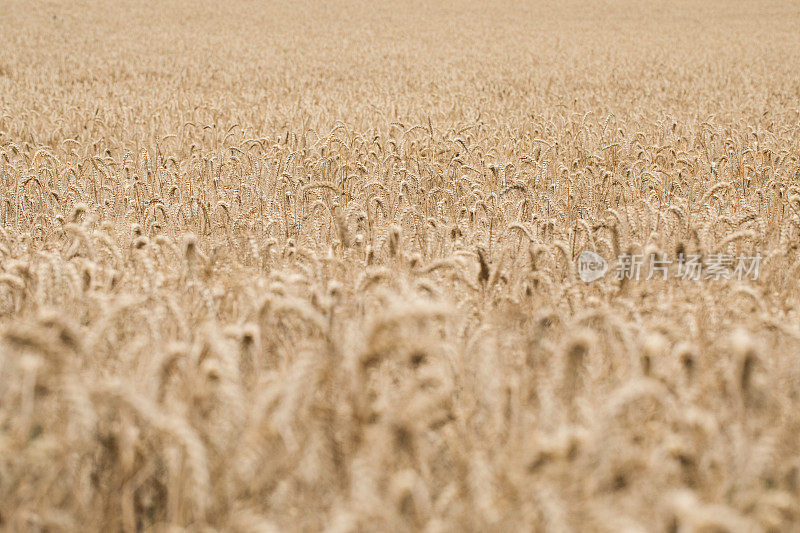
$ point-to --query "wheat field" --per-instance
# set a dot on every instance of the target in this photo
(315, 267)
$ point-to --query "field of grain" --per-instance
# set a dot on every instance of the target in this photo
(314, 266)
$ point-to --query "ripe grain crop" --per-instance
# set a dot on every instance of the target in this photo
(314, 266)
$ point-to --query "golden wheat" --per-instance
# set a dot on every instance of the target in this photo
(316, 266)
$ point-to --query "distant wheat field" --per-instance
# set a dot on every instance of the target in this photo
(399, 266)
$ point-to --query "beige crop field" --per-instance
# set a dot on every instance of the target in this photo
(320, 266)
